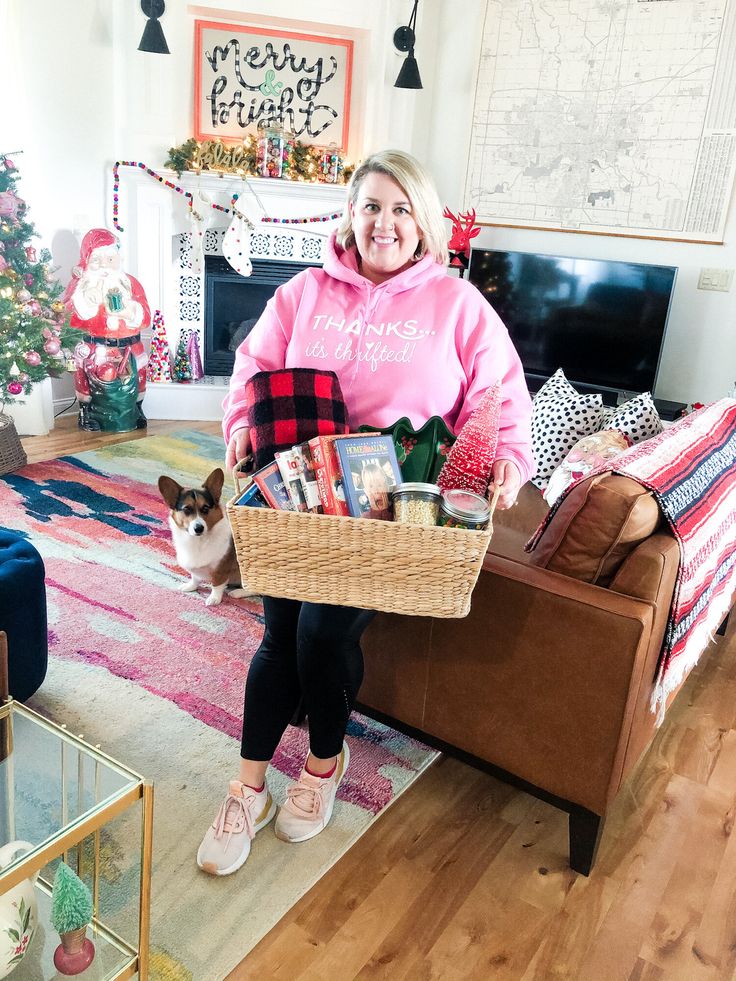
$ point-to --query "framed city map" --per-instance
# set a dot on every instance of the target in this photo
(613, 118)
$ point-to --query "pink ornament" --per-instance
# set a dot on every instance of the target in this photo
(52, 347)
(9, 204)
(23, 377)
(23, 296)
(32, 358)
(35, 307)
(15, 388)
(31, 254)
(9, 165)
(47, 333)
(27, 279)
(470, 461)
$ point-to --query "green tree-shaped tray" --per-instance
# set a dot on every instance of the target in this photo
(421, 452)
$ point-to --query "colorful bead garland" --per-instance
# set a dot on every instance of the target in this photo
(296, 221)
(188, 196)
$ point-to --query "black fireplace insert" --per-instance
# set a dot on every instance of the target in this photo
(233, 303)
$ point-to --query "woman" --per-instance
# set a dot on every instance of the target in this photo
(405, 339)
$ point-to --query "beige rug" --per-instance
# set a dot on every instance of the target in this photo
(201, 927)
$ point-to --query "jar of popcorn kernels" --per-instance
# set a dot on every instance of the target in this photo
(416, 503)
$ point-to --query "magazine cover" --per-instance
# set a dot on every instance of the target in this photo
(370, 472)
(289, 468)
(252, 497)
(271, 485)
(308, 476)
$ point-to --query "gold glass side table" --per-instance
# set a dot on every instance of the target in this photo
(64, 796)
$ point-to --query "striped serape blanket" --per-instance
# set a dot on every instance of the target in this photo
(691, 470)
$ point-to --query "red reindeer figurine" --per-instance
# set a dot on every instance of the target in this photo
(463, 229)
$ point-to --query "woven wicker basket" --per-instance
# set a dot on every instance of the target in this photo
(12, 454)
(416, 570)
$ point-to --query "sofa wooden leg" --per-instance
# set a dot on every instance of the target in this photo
(585, 834)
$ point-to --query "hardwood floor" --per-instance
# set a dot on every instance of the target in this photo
(465, 878)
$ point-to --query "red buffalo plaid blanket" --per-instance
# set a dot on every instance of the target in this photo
(691, 470)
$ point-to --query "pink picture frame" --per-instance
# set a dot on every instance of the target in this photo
(245, 74)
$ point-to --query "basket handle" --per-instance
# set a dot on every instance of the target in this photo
(493, 502)
(242, 474)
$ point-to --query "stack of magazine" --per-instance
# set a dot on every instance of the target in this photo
(345, 475)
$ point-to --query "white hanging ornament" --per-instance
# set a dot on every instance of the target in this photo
(236, 244)
(14, 370)
(198, 223)
(196, 236)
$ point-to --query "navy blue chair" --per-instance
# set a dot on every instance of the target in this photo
(23, 613)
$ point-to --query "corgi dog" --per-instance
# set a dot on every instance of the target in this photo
(202, 537)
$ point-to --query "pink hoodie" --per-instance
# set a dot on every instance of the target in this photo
(421, 344)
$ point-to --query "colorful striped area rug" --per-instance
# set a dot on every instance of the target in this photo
(156, 677)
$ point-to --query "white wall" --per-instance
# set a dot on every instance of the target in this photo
(82, 96)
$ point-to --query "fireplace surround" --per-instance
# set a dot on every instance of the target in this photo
(157, 249)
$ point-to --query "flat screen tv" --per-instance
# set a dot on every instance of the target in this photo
(603, 322)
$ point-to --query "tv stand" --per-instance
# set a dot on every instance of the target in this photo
(669, 411)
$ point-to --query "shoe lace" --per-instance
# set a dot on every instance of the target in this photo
(306, 799)
(234, 815)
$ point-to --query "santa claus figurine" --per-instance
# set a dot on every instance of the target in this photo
(111, 309)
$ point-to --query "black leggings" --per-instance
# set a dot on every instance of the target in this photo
(309, 651)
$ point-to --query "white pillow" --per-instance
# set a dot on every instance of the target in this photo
(560, 417)
(638, 418)
(588, 453)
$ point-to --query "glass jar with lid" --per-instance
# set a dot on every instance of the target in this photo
(416, 503)
(464, 509)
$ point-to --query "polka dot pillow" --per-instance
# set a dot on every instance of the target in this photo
(560, 417)
(638, 418)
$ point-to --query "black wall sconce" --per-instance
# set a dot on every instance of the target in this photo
(153, 36)
(404, 40)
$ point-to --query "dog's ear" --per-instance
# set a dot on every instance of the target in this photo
(170, 490)
(214, 483)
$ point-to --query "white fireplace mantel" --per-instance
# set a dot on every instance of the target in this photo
(156, 246)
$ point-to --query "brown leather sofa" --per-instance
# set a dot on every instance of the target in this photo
(547, 682)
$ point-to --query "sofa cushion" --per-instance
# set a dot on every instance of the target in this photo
(598, 524)
(560, 417)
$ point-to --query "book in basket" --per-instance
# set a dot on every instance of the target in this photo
(370, 472)
(272, 486)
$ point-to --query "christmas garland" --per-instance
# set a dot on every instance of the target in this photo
(318, 165)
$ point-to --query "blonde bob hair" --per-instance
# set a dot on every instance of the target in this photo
(419, 188)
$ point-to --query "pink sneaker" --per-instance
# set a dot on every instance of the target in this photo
(309, 803)
(226, 845)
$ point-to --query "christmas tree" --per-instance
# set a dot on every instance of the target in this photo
(71, 901)
(195, 360)
(470, 460)
(182, 364)
(159, 358)
(33, 335)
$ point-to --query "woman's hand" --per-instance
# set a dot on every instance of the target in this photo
(238, 447)
(506, 475)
